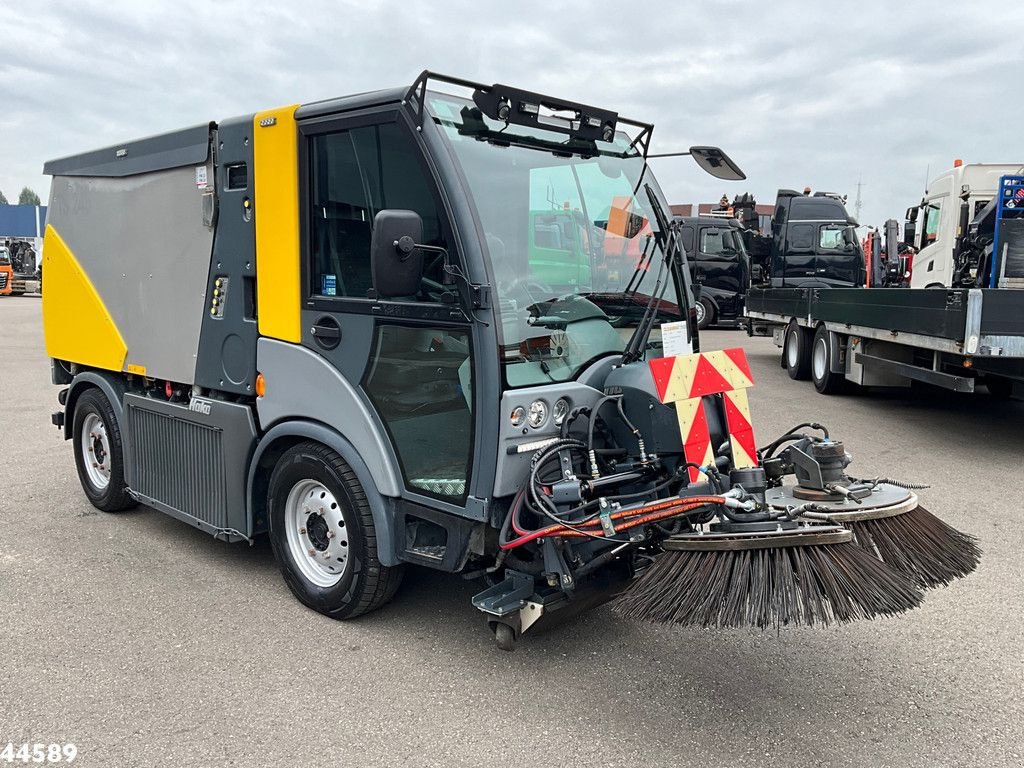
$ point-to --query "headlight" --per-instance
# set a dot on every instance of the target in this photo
(518, 416)
(560, 411)
(538, 413)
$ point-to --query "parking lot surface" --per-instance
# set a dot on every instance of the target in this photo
(146, 643)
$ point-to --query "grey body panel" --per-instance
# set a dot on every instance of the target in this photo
(191, 460)
(352, 354)
(227, 345)
(188, 146)
(382, 509)
(303, 385)
(513, 468)
(142, 242)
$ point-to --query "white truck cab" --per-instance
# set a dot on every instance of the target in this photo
(936, 221)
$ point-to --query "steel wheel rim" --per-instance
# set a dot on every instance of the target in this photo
(317, 536)
(700, 311)
(95, 449)
(820, 359)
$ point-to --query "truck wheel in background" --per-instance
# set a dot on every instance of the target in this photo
(705, 313)
(796, 352)
(998, 387)
(323, 535)
(825, 380)
(99, 453)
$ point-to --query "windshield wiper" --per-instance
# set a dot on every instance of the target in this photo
(637, 344)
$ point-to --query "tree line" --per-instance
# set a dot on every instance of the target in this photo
(27, 197)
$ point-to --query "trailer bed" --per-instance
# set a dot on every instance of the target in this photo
(982, 322)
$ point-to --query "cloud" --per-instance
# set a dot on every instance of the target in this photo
(798, 93)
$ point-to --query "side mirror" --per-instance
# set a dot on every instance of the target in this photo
(396, 264)
(714, 161)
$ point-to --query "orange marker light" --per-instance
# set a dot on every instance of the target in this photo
(261, 385)
(957, 163)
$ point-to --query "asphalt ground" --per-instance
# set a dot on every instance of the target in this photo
(145, 642)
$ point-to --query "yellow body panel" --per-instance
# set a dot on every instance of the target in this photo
(76, 322)
(276, 179)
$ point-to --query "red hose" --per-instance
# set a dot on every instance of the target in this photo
(645, 514)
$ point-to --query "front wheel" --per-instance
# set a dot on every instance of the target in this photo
(705, 313)
(323, 535)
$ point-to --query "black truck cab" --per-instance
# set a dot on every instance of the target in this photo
(813, 243)
(719, 262)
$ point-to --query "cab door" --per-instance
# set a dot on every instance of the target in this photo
(410, 357)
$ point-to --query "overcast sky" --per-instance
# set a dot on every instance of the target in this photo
(815, 93)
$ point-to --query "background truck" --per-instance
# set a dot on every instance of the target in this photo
(720, 264)
(21, 232)
(938, 225)
(6, 271)
(949, 337)
(812, 242)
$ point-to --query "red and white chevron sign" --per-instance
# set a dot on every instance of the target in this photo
(685, 380)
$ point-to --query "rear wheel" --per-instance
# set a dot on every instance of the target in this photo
(99, 453)
(705, 313)
(796, 352)
(323, 535)
(999, 388)
(826, 381)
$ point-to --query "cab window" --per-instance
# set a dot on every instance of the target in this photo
(932, 219)
(354, 174)
(832, 238)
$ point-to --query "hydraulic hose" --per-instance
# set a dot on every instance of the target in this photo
(659, 510)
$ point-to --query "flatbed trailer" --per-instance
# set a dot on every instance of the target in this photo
(952, 338)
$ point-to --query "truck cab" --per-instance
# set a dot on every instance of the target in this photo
(813, 243)
(720, 264)
(935, 224)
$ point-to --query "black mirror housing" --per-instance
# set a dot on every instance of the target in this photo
(396, 264)
(715, 162)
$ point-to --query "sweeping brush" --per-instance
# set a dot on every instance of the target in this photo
(913, 541)
(808, 575)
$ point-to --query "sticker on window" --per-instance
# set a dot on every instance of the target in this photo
(675, 340)
(328, 285)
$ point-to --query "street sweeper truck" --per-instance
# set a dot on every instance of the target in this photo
(326, 324)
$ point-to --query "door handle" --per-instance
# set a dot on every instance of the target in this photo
(326, 332)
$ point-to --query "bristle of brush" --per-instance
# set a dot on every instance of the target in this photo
(805, 585)
(920, 546)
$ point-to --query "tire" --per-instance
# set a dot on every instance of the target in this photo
(825, 380)
(796, 352)
(999, 388)
(705, 313)
(316, 505)
(99, 453)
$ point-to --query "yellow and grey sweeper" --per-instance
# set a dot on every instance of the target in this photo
(452, 325)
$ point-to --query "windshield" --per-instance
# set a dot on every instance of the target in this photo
(575, 249)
